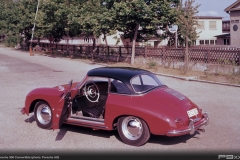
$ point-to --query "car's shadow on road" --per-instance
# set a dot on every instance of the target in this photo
(82, 130)
(163, 140)
(30, 119)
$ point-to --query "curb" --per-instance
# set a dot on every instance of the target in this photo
(194, 78)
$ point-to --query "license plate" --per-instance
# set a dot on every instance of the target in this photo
(192, 112)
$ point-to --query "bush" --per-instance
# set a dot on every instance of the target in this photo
(12, 40)
(152, 65)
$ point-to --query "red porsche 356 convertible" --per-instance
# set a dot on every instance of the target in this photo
(133, 101)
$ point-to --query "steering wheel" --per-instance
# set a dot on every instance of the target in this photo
(91, 91)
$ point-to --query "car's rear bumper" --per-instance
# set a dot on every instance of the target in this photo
(23, 110)
(191, 128)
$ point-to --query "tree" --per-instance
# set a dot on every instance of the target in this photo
(131, 14)
(16, 17)
(97, 18)
(3, 24)
(58, 18)
(26, 10)
(187, 21)
(9, 21)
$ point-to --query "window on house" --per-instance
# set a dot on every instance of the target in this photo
(201, 24)
(201, 41)
(206, 41)
(234, 21)
(212, 25)
(226, 42)
(211, 41)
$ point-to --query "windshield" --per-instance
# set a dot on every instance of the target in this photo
(80, 84)
(145, 82)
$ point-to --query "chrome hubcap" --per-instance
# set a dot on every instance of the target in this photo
(44, 114)
(132, 128)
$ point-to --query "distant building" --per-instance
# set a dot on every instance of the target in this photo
(226, 26)
(224, 38)
(111, 40)
(209, 27)
(234, 12)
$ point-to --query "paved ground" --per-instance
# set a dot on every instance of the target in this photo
(20, 73)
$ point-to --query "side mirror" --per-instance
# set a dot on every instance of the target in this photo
(70, 83)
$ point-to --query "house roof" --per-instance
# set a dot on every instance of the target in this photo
(208, 17)
(227, 35)
(233, 7)
(226, 20)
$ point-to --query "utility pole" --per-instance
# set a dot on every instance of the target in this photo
(30, 49)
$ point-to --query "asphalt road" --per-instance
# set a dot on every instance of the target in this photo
(20, 73)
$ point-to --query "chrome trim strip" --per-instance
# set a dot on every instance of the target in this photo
(81, 121)
(179, 132)
(95, 125)
(86, 118)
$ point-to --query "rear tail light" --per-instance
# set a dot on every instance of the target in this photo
(179, 121)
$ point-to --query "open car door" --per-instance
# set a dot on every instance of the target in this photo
(62, 110)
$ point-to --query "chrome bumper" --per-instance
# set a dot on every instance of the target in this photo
(23, 111)
(191, 129)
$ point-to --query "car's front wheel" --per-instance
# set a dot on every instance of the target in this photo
(43, 115)
(133, 131)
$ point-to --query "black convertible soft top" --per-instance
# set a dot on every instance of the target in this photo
(123, 74)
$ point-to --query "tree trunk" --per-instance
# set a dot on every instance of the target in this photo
(134, 44)
(67, 42)
(105, 39)
(94, 42)
(186, 56)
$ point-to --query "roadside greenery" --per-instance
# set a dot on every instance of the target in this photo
(149, 15)
(187, 22)
(16, 19)
(137, 20)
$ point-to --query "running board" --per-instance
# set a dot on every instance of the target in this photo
(87, 122)
(87, 118)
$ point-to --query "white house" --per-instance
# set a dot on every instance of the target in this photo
(110, 40)
(208, 28)
(117, 40)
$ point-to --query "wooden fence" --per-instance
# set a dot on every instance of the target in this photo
(211, 55)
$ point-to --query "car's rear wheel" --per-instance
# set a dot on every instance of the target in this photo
(133, 131)
(43, 115)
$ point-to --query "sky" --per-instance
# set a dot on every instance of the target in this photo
(214, 7)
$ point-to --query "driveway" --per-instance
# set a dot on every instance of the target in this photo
(20, 73)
